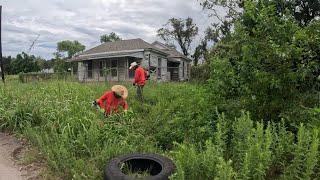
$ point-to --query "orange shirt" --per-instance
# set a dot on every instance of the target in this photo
(139, 76)
(110, 103)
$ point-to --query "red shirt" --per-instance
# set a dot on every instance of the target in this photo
(139, 76)
(110, 103)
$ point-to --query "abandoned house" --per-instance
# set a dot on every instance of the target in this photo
(110, 61)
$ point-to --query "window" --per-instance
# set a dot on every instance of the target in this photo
(114, 68)
(89, 66)
(159, 68)
(101, 68)
(183, 69)
(188, 70)
(131, 72)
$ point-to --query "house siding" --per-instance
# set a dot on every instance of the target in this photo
(164, 72)
(122, 67)
(81, 71)
(95, 69)
(181, 77)
(122, 71)
(154, 64)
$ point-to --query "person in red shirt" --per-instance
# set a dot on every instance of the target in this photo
(139, 79)
(111, 100)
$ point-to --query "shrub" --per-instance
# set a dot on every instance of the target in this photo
(200, 73)
(269, 66)
(256, 152)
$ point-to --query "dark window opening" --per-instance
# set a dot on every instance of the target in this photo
(101, 68)
(183, 69)
(159, 68)
(131, 72)
(89, 65)
(114, 68)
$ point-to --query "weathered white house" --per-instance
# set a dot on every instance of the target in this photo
(110, 61)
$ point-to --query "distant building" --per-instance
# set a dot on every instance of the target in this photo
(166, 62)
(47, 70)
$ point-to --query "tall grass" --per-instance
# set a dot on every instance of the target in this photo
(77, 141)
(257, 152)
(176, 120)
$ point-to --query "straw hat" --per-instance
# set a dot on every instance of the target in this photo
(133, 65)
(120, 90)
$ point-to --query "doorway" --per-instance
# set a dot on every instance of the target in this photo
(173, 68)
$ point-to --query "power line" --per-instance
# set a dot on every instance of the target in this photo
(33, 43)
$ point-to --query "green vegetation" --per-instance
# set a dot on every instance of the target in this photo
(77, 141)
(254, 113)
(112, 37)
(126, 169)
(269, 66)
(58, 119)
(24, 63)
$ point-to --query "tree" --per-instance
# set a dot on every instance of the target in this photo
(40, 62)
(112, 37)
(200, 52)
(181, 31)
(70, 47)
(268, 66)
(304, 11)
(7, 64)
(48, 64)
(24, 63)
(232, 9)
(226, 12)
(59, 64)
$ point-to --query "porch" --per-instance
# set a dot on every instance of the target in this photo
(107, 69)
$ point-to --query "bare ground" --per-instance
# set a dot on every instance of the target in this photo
(12, 152)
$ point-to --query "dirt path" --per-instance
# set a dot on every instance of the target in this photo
(9, 168)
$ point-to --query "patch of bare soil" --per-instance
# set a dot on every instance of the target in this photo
(12, 154)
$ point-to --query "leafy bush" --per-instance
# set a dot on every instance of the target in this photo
(269, 66)
(200, 73)
(255, 152)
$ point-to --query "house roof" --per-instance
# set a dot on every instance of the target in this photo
(119, 48)
(122, 45)
(173, 53)
(127, 47)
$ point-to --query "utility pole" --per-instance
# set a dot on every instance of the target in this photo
(1, 61)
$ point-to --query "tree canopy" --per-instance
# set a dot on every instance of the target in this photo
(22, 63)
(181, 31)
(112, 37)
(70, 47)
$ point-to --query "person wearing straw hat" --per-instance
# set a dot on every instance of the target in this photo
(111, 100)
(139, 79)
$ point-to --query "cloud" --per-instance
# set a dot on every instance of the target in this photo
(85, 21)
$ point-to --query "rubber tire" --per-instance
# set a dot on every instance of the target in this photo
(113, 171)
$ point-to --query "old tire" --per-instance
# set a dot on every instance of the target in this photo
(160, 167)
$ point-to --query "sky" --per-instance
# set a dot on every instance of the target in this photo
(86, 20)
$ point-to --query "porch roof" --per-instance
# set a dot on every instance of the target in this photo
(173, 53)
